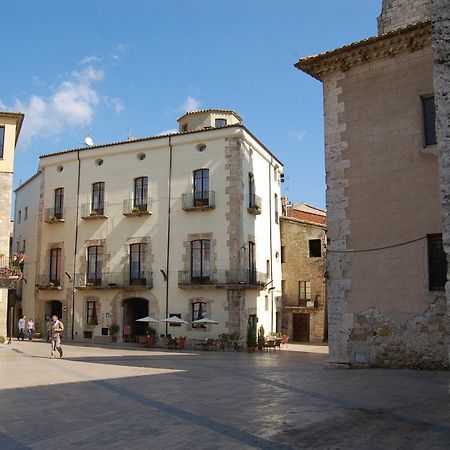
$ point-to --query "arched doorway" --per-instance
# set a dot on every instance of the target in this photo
(133, 309)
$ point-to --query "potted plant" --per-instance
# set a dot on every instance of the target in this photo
(113, 330)
(37, 330)
(150, 340)
(261, 338)
(251, 338)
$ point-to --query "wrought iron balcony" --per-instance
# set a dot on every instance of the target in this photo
(254, 205)
(90, 211)
(198, 200)
(114, 280)
(237, 279)
(131, 208)
(49, 282)
(53, 215)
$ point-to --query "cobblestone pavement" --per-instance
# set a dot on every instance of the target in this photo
(127, 398)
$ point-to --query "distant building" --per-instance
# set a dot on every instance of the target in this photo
(184, 224)
(10, 125)
(386, 218)
(303, 240)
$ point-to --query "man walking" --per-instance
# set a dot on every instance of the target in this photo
(57, 329)
(21, 326)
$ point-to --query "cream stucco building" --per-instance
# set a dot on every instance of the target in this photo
(387, 169)
(183, 224)
(10, 125)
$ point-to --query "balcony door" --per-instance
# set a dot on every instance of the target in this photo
(251, 262)
(98, 198)
(137, 263)
(201, 187)
(55, 266)
(94, 265)
(59, 203)
(200, 261)
(140, 193)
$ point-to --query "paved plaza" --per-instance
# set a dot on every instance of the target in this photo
(120, 397)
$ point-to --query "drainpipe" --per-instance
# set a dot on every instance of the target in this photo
(76, 241)
(168, 231)
(270, 232)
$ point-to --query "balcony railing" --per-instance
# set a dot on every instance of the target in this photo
(223, 278)
(130, 208)
(113, 280)
(254, 205)
(48, 282)
(10, 268)
(198, 200)
(52, 215)
(90, 211)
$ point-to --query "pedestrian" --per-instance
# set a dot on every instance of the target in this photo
(30, 329)
(21, 326)
(57, 329)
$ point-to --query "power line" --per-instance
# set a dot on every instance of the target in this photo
(377, 248)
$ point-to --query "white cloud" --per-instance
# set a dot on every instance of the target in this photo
(90, 59)
(190, 104)
(71, 104)
(114, 103)
(298, 135)
(172, 131)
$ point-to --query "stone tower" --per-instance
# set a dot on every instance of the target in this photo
(400, 13)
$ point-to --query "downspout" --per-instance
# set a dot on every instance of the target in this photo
(76, 241)
(168, 231)
(270, 232)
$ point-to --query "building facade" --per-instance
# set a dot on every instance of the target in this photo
(10, 125)
(184, 224)
(386, 263)
(303, 240)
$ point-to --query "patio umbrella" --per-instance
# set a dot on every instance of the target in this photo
(174, 320)
(148, 319)
(205, 321)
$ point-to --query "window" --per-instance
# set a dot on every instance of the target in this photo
(275, 200)
(283, 253)
(267, 268)
(429, 120)
(24, 245)
(201, 187)
(199, 310)
(171, 324)
(2, 141)
(266, 302)
(141, 193)
(315, 248)
(437, 263)
(251, 262)
(220, 123)
(137, 263)
(251, 190)
(94, 265)
(252, 320)
(19, 216)
(91, 313)
(200, 260)
(304, 292)
(59, 203)
(55, 266)
(25, 213)
(98, 198)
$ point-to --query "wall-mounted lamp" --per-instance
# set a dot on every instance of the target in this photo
(164, 274)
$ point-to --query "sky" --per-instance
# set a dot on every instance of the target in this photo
(112, 69)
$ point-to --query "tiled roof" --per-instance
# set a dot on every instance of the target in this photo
(363, 51)
(163, 136)
(220, 111)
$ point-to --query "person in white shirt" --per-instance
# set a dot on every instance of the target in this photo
(21, 326)
(57, 329)
(30, 329)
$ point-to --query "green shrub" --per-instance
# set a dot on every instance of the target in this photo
(2, 339)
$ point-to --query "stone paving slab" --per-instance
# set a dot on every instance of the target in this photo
(122, 397)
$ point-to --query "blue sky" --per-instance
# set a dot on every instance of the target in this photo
(115, 68)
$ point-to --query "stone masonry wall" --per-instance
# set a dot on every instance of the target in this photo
(400, 13)
(441, 46)
(338, 225)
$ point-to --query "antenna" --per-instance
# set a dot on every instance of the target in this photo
(88, 141)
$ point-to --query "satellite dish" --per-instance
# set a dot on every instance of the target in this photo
(89, 142)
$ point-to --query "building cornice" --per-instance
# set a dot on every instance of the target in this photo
(409, 39)
(18, 116)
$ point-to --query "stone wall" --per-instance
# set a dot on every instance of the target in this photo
(441, 47)
(400, 13)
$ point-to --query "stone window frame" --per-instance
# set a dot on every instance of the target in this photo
(206, 301)
(303, 290)
(186, 257)
(83, 257)
(51, 246)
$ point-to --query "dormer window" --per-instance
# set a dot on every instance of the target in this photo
(184, 128)
(220, 123)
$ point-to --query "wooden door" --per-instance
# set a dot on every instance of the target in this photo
(300, 327)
